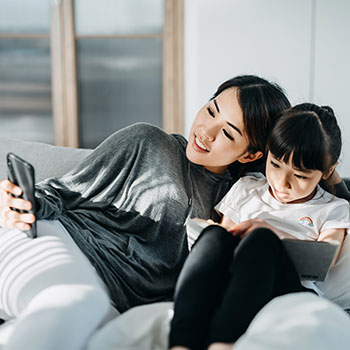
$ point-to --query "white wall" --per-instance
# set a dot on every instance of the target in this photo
(304, 45)
(332, 66)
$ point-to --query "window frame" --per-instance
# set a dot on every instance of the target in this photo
(64, 69)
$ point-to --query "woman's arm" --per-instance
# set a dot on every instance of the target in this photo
(104, 178)
(340, 186)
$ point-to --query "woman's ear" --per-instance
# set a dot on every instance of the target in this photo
(330, 171)
(250, 157)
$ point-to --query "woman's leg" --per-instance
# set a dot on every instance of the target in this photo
(200, 287)
(50, 289)
(260, 271)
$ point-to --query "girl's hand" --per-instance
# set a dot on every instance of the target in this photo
(211, 222)
(244, 228)
(8, 216)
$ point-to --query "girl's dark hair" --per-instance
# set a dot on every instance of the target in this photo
(310, 134)
(262, 102)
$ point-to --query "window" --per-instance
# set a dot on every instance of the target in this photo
(25, 70)
(104, 65)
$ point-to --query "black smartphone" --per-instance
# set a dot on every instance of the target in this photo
(21, 173)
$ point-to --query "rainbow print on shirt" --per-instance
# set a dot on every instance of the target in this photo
(306, 221)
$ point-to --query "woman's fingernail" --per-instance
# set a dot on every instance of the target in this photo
(18, 191)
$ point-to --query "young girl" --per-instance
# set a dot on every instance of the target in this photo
(115, 222)
(232, 273)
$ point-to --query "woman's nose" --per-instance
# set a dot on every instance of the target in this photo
(210, 132)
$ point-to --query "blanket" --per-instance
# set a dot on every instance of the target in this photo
(294, 321)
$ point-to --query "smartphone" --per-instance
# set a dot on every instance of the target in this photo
(21, 173)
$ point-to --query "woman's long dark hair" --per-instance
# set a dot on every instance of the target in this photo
(310, 135)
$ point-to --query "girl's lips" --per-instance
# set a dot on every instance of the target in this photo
(281, 195)
(198, 145)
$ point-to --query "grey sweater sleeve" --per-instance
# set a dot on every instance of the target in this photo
(95, 181)
(342, 189)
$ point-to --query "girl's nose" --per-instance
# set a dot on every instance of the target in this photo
(284, 182)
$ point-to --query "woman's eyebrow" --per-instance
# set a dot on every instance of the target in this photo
(216, 105)
(235, 127)
(230, 124)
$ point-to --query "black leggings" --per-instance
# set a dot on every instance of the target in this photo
(225, 282)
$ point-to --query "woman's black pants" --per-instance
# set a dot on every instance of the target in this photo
(225, 282)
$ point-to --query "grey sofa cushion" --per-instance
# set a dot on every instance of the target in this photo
(47, 160)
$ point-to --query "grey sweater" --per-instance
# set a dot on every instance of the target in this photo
(125, 206)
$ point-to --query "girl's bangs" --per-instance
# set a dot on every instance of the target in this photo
(301, 138)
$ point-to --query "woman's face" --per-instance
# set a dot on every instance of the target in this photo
(217, 137)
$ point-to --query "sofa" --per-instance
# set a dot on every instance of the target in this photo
(293, 321)
(47, 160)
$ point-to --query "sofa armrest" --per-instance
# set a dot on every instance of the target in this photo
(48, 160)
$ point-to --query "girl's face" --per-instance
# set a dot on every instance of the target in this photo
(217, 137)
(289, 184)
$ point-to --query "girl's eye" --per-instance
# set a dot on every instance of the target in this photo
(210, 112)
(275, 165)
(228, 135)
(300, 177)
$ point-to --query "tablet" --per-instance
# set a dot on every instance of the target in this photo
(312, 259)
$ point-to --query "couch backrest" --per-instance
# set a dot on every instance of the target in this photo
(47, 160)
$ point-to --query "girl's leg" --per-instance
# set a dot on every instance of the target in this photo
(50, 289)
(200, 287)
(260, 271)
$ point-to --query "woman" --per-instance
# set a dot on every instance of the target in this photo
(125, 207)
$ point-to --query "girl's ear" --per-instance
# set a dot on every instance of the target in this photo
(330, 171)
(250, 157)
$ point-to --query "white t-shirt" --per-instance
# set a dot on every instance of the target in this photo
(250, 198)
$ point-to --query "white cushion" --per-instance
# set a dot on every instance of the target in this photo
(144, 327)
(298, 321)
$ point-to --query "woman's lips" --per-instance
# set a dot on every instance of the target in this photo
(198, 145)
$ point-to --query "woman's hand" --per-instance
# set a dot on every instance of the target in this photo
(8, 216)
(245, 227)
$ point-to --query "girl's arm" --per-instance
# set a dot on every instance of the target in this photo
(333, 235)
(227, 223)
(243, 228)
